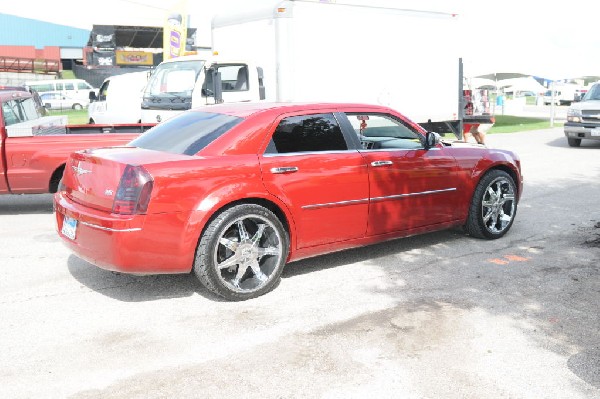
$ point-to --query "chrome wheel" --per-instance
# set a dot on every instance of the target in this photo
(493, 206)
(498, 205)
(242, 252)
(248, 252)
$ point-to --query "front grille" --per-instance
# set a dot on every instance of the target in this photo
(590, 116)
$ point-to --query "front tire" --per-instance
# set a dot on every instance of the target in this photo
(77, 106)
(242, 252)
(493, 206)
(573, 142)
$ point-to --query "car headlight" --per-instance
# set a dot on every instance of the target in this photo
(574, 115)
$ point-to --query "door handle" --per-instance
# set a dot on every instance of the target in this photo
(285, 169)
(381, 163)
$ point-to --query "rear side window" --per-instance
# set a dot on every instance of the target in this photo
(307, 133)
(187, 133)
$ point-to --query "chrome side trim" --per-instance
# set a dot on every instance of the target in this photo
(397, 196)
(375, 199)
(289, 154)
(95, 226)
(340, 203)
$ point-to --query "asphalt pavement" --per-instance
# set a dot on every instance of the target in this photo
(440, 315)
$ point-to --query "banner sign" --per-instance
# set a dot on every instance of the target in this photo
(134, 58)
(175, 31)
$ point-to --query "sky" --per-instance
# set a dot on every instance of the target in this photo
(548, 39)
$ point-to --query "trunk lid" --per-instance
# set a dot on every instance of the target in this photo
(92, 177)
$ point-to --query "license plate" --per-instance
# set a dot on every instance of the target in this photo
(69, 227)
(596, 131)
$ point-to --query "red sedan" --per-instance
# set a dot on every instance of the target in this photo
(233, 192)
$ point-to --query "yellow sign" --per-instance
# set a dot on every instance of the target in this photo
(133, 57)
(175, 31)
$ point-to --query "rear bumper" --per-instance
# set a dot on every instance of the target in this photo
(138, 244)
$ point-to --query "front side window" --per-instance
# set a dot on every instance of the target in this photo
(83, 86)
(103, 90)
(186, 133)
(234, 78)
(382, 131)
(307, 133)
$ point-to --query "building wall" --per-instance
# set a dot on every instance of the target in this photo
(18, 31)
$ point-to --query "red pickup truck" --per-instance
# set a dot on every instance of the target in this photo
(34, 148)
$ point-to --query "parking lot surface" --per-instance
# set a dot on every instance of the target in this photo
(440, 315)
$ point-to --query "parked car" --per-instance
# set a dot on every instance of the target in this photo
(234, 191)
(54, 101)
(583, 118)
(74, 88)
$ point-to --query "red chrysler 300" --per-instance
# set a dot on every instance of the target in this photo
(233, 192)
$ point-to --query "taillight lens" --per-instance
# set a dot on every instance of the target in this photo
(133, 193)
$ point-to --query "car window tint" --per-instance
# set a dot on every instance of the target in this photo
(307, 133)
(186, 133)
(383, 131)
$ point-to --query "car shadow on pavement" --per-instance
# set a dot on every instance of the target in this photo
(21, 204)
(371, 252)
(133, 288)
(585, 144)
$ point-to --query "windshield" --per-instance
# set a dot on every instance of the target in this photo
(174, 78)
(187, 133)
(593, 93)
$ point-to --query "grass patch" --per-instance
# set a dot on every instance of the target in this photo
(66, 74)
(511, 124)
(76, 117)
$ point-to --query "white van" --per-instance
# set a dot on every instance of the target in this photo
(71, 88)
(119, 99)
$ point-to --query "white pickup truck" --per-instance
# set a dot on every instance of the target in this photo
(583, 118)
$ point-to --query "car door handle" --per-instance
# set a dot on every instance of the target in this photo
(285, 169)
(381, 163)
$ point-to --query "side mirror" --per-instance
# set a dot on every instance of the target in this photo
(92, 96)
(432, 139)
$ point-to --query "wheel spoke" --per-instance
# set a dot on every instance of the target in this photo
(231, 261)
(508, 197)
(258, 235)
(229, 244)
(242, 231)
(238, 276)
(257, 272)
(487, 216)
(268, 251)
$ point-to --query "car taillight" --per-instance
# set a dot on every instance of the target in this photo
(133, 193)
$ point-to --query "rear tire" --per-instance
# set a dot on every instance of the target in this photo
(493, 207)
(242, 252)
(573, 142)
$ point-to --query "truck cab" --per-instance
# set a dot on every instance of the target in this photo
(181, 83)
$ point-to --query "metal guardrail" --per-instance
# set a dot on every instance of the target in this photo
(14, 64)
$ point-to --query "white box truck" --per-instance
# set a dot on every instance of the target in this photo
(315, 51)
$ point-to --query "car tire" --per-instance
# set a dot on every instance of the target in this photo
(242, 252)
(573, 142)
(493, 206)
(77, 106)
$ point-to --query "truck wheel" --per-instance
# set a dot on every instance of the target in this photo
(493, 206)
(242, 252)
(77, 106)
(573, 142)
